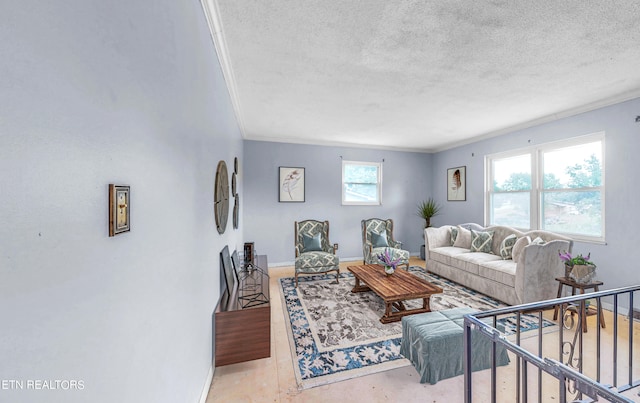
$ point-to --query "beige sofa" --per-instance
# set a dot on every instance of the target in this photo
(528, 278)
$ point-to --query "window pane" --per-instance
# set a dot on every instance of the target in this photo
(573, 167)
(512, 174)
(573, 212)
(359, 192)
(361, 173)
(511, 209)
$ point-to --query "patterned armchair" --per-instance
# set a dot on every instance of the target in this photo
(377, 235)
(314, 252)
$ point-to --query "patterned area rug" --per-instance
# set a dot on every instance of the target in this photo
(336, 334)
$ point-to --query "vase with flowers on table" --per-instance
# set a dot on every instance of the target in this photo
(390, 264)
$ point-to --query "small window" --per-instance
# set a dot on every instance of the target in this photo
(361, 183)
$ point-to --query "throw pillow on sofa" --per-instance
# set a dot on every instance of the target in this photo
(481, 241)
(538, 241)
(506, 246)
(518, 247)
(463, 240)
(453, 234)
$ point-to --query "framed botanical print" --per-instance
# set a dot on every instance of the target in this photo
(457, 184)
(119, 209)
(291, 185)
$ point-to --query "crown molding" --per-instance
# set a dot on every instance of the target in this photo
(212, 15)
(323, 143)
(617, 99)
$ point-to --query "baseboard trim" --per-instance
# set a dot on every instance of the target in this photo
(622, 310)
(207, 386)
(281, 264)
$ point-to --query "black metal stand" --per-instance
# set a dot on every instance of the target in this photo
(252, 282)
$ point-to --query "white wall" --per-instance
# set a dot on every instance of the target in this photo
(269, 223)
(92, 93)
(622, 141)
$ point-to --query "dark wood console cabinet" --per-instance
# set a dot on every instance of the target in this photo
(244, 334)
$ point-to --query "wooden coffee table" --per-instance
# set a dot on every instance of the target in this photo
(394, 290)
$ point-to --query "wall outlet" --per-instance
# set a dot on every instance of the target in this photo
(335, 246)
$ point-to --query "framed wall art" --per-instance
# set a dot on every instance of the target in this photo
(291, 185)
(249, 253)
(119, 209)
(457, 184)
(230, 275)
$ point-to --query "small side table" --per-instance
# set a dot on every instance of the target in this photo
(562, 281)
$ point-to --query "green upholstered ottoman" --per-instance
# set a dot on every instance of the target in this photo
(433, 343)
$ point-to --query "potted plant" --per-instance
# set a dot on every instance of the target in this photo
(579, 268)
(427, 209)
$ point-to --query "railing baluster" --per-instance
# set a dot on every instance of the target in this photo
(562, 386)
(525, 383)
(582, 325)
(615, 340)
(630, 339)
(494, 360)
(519, 359)
(540, 323)
(466, 346)
(598, 339)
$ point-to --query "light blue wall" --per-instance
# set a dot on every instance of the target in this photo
(615, 260)
(269, 223)
(92, 93)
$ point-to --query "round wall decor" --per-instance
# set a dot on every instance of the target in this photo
(221, 197)
(236, 211)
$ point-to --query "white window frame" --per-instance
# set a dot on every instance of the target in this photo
(537, 174)
(378, 202)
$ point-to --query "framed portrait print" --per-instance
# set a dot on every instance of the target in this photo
(457, 184)
(119, 209)
(291, 185)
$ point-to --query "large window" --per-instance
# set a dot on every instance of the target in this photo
(557, 187)
(361, 183)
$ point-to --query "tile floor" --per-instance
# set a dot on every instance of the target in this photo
(272, 379)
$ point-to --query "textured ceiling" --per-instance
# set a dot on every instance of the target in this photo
(421, 75)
